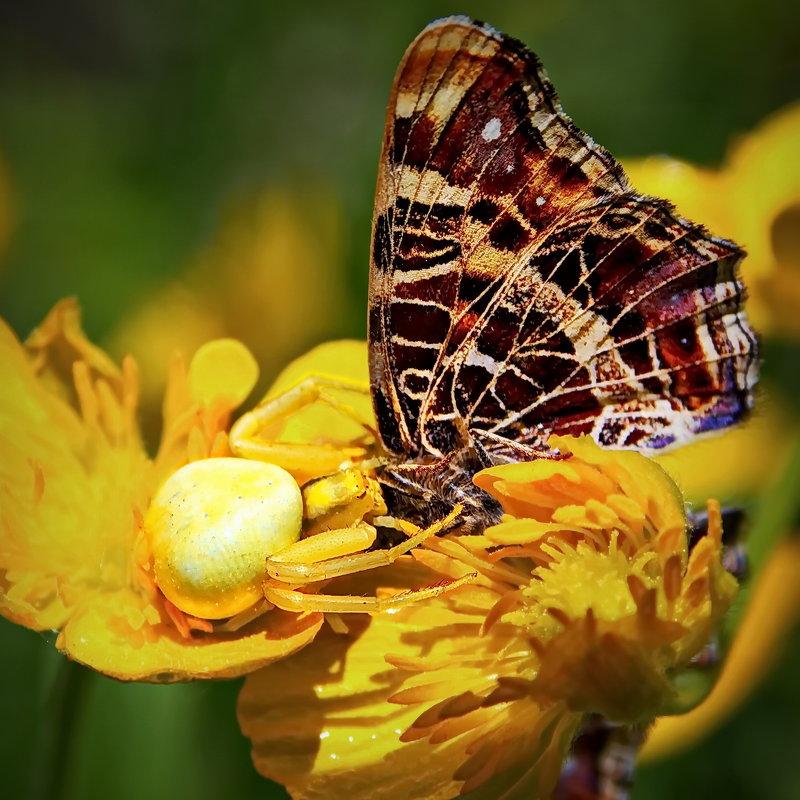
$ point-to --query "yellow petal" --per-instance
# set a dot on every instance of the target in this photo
(321, 724)
(69, 494)
(763, 180)
(222, 364)
(58, 342)
(692, 189)
(344, 360)
(744, 459)
(114, 636)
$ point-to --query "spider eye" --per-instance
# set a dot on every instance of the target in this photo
(211, 527)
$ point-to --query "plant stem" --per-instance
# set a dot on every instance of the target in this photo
(61, 703)
(775, 515)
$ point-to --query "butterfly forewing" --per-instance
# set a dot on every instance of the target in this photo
(520, 286)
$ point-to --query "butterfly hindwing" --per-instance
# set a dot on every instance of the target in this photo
(633, 332)
(519, 285)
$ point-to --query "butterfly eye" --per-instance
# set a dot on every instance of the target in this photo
(211, 527)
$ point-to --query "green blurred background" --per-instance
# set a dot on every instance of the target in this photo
(127, 130)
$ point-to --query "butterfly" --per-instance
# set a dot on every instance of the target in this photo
(520, 286)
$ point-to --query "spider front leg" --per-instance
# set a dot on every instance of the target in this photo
(342, 552)
(291, 600)
(250, 434)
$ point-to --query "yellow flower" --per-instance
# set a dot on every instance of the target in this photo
(773, 610)
(270, 277)
(625, 603)
(584, 599)
(76, 483)
(753, 199)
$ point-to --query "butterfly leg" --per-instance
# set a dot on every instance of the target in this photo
(250, 434)
(343, 552)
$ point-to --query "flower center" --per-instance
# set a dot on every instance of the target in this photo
(580, 579)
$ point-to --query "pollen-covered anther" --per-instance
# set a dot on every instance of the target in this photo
(211, 527)
(672, 577)
(508, 689)
(461, 704)
(559, 615)
(507, 602)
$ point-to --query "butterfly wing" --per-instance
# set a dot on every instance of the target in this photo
(520, 286)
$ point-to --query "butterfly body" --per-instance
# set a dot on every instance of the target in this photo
(520, 286)
(426, 489)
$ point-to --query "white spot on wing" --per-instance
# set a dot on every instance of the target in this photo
(491, 130)
(478, 359)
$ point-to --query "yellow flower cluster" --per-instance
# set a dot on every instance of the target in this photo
(584, 599)
(615, 602)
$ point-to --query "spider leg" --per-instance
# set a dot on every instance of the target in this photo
(342, 552)
(248, 436)
(293, 600)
